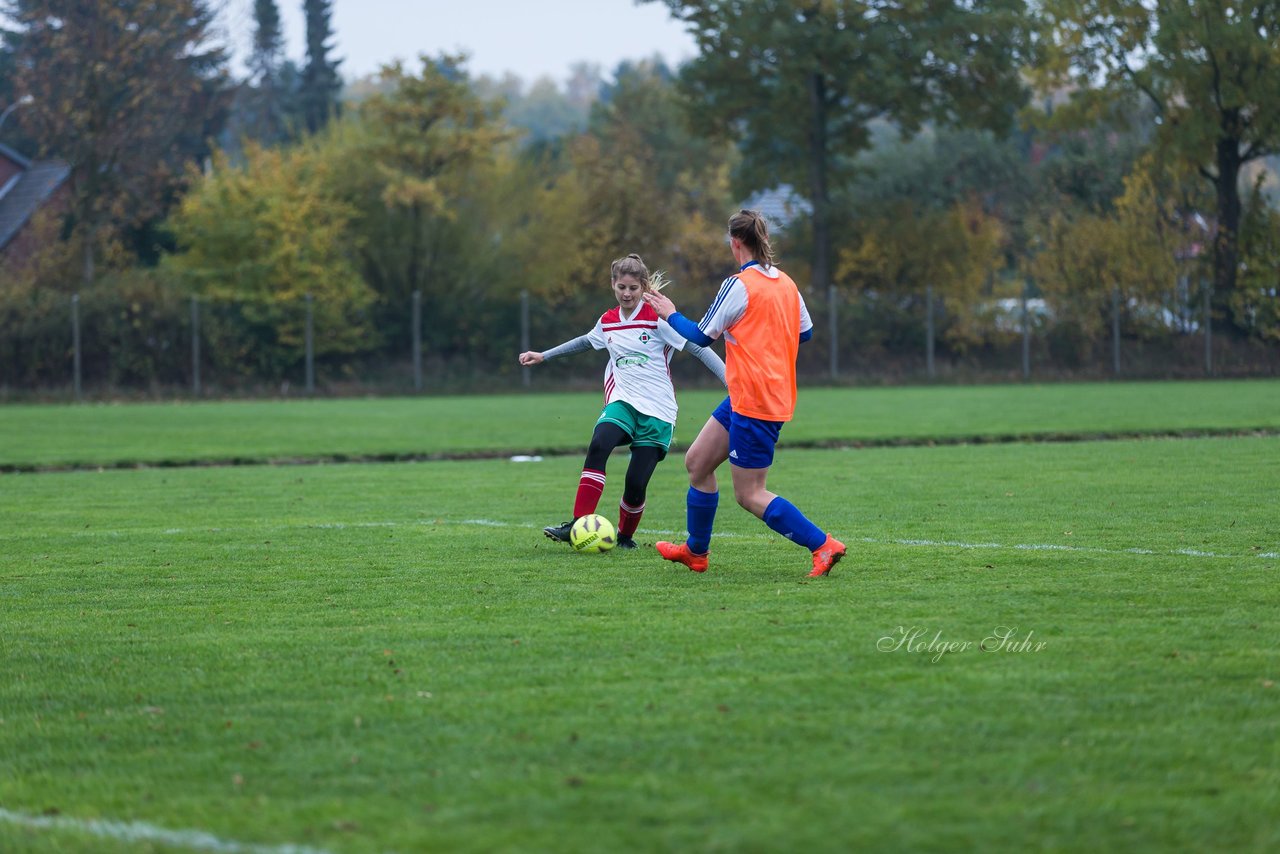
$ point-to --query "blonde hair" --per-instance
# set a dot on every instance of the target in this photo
(750, 227)
(631, 265)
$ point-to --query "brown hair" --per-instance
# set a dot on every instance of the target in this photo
(750, 227)
(630, 266)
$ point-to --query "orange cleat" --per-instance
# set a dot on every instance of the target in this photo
(826, 556)
(679, 553)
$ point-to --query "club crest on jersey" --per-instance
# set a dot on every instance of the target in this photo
(631, 360)
(645, 337)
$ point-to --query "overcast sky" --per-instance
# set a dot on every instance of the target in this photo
(531, 38)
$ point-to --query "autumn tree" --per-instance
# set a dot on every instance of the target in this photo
(799, 82)
(1096, 267)
(645, 173)
(261, 236)
(422, 138)
(1210, 70)
(904, 249)
(128, 92)
(1255, 303)
(419, 155)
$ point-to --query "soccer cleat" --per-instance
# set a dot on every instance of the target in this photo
(826, 556)
(625, 542)
(559, 533)
(679, 553)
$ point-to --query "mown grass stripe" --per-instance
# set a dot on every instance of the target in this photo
(676, 448)
(762, 537)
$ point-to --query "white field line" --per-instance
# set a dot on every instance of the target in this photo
(911, 542)
(138, 832)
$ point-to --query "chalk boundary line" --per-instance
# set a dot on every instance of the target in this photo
(1063, 437)
(139, 831)
(761, 537)
(892, 541)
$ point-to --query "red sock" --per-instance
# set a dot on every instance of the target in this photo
(629, 518)
(590, 488)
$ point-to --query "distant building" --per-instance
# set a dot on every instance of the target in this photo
(25, 187)
(781, 206)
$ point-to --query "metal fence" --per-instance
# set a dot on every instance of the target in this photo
(1020, 345)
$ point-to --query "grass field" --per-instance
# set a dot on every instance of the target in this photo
(390, 657)
(107, 434)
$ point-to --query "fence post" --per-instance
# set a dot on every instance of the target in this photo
(526, 373)
(311, 364)
(1115, 331)
(195, 346)
(75, 342)
(928, 329)
(417, 340)
(1208, 330)
(833, 325)
(1026, 334)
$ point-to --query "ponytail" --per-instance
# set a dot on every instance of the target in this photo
(750, 227)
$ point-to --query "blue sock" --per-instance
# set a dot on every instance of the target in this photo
(785, 518)
(700, 516)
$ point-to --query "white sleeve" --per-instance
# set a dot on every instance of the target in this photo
(670, 336)
(726, 310)
(805, 322)
(596, 337)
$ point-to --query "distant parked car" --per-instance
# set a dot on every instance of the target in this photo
(1006, 314)
(1160, 316)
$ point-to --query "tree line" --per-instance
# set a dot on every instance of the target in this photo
(1107, 158)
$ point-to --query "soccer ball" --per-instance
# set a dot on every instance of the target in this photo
(592, 533)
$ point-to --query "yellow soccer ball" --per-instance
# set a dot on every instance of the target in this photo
(592, 533)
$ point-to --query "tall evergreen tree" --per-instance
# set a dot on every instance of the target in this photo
(265, 93)
(268, 41)
(320, 81)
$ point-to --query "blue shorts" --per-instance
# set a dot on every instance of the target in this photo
(751, 440)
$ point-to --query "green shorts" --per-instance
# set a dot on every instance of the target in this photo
(643, 429)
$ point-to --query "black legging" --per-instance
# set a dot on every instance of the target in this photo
(644, 460)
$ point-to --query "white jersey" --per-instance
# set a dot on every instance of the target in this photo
(731, 303)
(639, 368)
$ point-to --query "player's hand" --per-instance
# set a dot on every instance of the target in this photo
(530, 357)
(661, 304)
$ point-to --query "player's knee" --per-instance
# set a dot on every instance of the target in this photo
(696, 466)
(690, 465)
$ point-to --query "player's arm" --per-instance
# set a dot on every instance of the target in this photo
(726, 309)
(806, 322)
(708, 357)
(576, 345)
